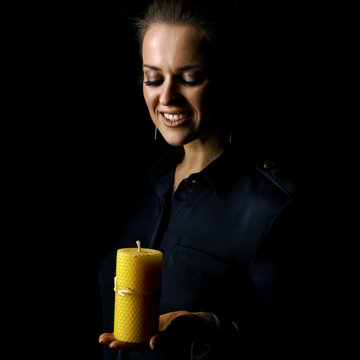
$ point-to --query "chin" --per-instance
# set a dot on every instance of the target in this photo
(174, 143)
(175, 140)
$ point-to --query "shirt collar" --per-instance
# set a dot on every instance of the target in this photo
(222, 171)
(219, 173)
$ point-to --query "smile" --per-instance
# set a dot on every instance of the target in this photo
(175, 119)
(175, 116)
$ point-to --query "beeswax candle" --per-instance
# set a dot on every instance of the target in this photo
(137, 294)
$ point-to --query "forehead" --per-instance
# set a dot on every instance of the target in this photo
(172, 45)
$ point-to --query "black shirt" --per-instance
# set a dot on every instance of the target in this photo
(230, 238)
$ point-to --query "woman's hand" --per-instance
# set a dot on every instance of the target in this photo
(109, 340)
(177, 330)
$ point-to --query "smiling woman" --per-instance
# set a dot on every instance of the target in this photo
(176, 86)
(228, 226)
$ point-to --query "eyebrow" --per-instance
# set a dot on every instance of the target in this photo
(180, 69)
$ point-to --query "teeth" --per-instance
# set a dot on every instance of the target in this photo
(175, 116)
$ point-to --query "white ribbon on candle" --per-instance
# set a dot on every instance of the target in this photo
(130, 292)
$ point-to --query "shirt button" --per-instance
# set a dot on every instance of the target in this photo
(187, 185)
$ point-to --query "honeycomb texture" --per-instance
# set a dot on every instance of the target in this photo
(136, 317)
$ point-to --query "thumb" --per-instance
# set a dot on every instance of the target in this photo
(153, 341)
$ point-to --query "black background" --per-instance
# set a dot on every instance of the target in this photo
(79, 141)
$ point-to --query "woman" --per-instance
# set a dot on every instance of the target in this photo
(231, 282)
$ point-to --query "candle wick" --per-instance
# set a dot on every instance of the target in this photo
(138, 243)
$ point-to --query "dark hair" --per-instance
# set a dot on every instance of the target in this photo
(213, 19)
(180, 12)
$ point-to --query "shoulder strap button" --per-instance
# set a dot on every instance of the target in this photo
(268, 164)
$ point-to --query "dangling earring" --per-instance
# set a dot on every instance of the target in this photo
(155, 133)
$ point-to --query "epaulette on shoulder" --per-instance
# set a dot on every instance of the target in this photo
(278, 175)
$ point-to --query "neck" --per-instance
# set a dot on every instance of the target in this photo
(198, 155)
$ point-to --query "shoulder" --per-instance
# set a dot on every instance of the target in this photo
(254, 178)
(279, 175)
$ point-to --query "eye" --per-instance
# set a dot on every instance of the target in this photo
(192, 79)
(153, 82)
(192, 83)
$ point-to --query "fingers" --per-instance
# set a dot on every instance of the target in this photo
(106, 338)
(109, 340)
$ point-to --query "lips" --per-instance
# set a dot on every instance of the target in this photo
(175, 119)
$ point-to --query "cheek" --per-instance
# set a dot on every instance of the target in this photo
(200, 99)
(150, 98)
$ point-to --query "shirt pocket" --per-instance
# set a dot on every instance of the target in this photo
(193, 280)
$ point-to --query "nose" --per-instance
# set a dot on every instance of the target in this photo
(169, 92)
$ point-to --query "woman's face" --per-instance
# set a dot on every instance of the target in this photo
(176, 83)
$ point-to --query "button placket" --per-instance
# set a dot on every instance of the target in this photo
(187, 184)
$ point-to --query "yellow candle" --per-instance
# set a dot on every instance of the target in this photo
(137, 294)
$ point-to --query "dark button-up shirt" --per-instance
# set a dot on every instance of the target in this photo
(230, 248)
